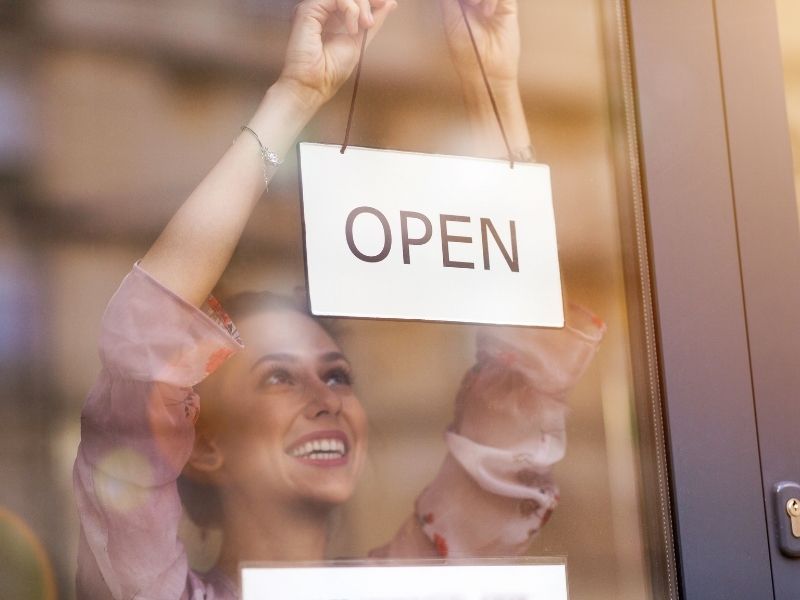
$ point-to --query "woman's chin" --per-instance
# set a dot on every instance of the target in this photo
(327, 484)
(324, 492)
(325, 499)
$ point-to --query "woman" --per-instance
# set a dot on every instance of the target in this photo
(282, 436)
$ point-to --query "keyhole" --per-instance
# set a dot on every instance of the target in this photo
(793, 507)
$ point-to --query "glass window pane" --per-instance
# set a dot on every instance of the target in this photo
(120, 116)
(788, 21)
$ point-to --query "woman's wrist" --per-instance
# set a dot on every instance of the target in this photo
(304, 99)
(283, 113)
(483, 120)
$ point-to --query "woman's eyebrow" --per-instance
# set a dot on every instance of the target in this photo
(333, 357)
(275, 357)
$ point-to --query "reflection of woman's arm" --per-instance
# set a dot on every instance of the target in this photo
(193, 250)
(496, 29)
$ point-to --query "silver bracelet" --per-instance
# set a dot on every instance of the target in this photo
(269, 157)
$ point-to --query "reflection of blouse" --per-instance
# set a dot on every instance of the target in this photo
(137, 432)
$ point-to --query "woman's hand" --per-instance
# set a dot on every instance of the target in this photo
(325, 43)
(496, 29)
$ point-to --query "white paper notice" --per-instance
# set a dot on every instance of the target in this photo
(399, 235)
(494, 582)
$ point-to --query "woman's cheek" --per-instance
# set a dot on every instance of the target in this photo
(360, 429)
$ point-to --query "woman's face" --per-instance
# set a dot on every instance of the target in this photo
(293, 430)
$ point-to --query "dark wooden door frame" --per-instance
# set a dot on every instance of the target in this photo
(724, 252)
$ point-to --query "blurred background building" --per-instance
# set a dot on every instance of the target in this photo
(111, 111)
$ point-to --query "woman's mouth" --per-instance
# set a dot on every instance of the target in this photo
(323, 448)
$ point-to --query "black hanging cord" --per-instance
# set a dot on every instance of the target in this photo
(355, 92)
(483, 74)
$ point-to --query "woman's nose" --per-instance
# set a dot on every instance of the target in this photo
(322, 400)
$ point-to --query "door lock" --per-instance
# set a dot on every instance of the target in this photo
(787, 515)
(793, 510)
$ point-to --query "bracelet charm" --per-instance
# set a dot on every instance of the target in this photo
(269, 157)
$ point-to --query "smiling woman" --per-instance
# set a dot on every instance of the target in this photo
(290, 386)
(282, 437)
(286, 399)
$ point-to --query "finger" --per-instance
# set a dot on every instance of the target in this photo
(314, 14)
(489, 7)
(472, 6)
(336, 24)
(350, 12)
(308, 18)
(449, 7)
(366, 20)
(380, 15)
(507, 6)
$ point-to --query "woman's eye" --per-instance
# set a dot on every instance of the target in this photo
(277, 378)
(338, 377)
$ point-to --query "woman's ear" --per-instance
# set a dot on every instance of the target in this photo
(206, 458)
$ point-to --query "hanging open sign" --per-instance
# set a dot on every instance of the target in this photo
(400, 235)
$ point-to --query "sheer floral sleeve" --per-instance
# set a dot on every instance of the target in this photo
(495, 489)
(137, 431)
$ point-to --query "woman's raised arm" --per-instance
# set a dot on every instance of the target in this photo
(194, 249)
(495, 26)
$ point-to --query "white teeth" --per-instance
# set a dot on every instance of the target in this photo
(323, 456)
(326, 449)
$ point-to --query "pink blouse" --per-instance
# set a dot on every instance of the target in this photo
(137, 431)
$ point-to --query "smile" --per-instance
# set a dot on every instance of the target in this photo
(322, 448)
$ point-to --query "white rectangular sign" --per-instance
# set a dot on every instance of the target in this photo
(400, 235)
(439, 582)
